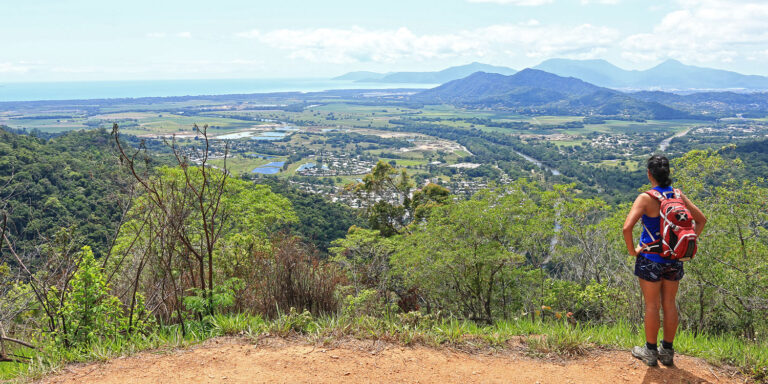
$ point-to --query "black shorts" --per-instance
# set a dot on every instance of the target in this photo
(652, 271)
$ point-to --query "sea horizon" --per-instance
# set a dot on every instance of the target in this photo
(118, 89)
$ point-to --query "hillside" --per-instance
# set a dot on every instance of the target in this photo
(73, 181)
(531, 88)
(437, 77)
(70, 182)
(669, 75)
(724, 103)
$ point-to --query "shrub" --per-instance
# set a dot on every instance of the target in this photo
(290, 275)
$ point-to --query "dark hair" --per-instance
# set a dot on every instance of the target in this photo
(659, 167)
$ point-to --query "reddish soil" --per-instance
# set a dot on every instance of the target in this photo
(275, 360)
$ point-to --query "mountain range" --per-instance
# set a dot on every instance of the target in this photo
(670, 75)
(536, 90)
(439, 77)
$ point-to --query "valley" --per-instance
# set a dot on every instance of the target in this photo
(323, 141)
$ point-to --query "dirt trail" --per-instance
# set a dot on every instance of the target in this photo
(279, 361)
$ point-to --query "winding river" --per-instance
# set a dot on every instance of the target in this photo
(665, 143)
(538, 163)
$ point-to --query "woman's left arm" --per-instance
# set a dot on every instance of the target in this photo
(638, 207)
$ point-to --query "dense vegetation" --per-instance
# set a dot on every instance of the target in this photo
(69, 187)
(196, 249)
(319, 221)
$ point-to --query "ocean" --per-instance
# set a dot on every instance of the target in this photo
(162, 88)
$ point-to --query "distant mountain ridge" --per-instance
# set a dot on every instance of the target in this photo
(438, 77)
(532, 89)
(669, 75)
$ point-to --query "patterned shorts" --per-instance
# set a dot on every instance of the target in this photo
(652, 271)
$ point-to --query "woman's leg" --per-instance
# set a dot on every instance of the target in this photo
(652, 295)
(669, 304)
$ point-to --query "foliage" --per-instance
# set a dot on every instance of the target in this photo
(70, 181)
(319, 221)
(290, 274)
(388, 192)
(364, 254)
(590, 302)
(365, 303)
(161, 245)
(466, 257)
(731, 288)
(223, 297)
(90, 313)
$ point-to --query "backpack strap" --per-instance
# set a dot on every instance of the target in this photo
(678, 194)
(656, 194)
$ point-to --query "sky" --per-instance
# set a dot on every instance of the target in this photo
(83, 40)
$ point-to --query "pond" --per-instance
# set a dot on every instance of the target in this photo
(272, 135)
(306, 166)
(269, 168)
(233, 136)
(266, 170)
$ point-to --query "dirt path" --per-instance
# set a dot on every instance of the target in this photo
(280, 361)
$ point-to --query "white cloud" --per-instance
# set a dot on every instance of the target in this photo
(8, 67)
(252, 34)
(530, 39)
(525, 3)
(162, 35)
(607, 2)
(704, 31)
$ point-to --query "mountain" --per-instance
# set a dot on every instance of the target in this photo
(712, 103)
(439, 77)
(599, 72)
(545, 92)
(482, 85)
(671, 75)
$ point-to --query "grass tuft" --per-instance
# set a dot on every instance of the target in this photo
(539, 338)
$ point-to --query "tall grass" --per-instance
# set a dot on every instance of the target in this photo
(535, 337)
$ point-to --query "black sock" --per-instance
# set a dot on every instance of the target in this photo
(666, 345)
(652, 347)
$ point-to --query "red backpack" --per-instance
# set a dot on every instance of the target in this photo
(678, 239)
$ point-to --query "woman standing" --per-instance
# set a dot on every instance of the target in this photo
(659, 277)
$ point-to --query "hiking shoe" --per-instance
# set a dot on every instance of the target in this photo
(648, 356)
(666, 355)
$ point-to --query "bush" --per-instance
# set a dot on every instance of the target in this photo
(90, 312)
(290, 275)
(591, 302)
(368, 302)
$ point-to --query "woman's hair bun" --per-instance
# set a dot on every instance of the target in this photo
(659, 167)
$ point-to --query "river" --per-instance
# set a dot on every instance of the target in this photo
(538, 163)
(665, 143)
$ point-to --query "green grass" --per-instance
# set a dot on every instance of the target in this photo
(539, 338)
(405, 162)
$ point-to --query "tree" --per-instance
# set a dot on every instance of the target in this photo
(90, 312)
(469, 256)
(169, 238)
(364, 254)
(387, 193)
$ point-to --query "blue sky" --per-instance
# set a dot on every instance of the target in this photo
(65, 40)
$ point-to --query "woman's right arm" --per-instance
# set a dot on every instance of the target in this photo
(638, 208)
(699, 220)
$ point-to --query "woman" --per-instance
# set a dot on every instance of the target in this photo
(659, 277)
